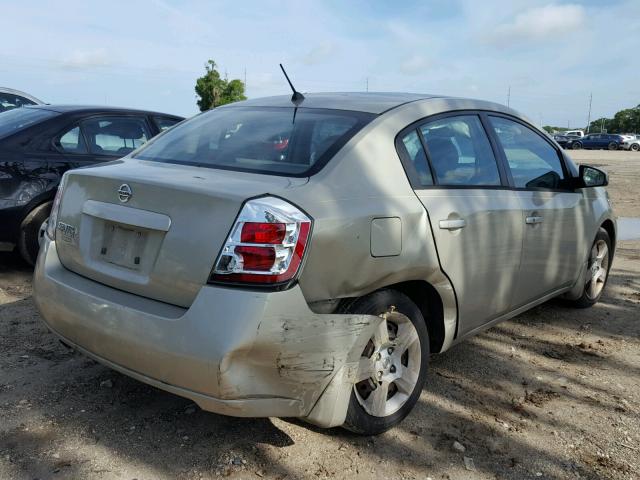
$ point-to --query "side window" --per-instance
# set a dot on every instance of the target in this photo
(9, 101)
(415, 153)
(534, 163)
(164, 123)
(460, 152)
(114, 135)
(72, 141)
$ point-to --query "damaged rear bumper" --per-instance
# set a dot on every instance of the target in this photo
(233, 351)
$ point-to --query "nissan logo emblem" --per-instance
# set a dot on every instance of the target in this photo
(124, 193)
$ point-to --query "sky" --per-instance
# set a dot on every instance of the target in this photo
(147, 54)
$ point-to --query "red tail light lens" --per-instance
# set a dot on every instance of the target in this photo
(254, 232)
(266, 245)
(259, 259)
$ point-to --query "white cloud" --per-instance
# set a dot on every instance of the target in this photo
(414, 65)
(540, 23)
(87, 59)
(319, 54)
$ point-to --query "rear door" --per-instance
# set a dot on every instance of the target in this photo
(475, 218)
(97, 139)
(550, 209)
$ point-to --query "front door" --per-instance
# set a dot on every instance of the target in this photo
(550, 210)
(475, 219)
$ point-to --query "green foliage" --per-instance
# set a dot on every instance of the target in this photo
(550, 129)
(625, 121)
(215, 91)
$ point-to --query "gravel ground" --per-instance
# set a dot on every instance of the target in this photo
(553, 393)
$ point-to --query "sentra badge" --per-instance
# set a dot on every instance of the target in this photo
(68, 233)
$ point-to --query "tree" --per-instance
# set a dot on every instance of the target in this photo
(215, 91)
(624, 121)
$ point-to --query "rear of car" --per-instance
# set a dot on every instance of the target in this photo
(154, 256)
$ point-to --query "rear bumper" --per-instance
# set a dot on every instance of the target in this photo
(233, 351)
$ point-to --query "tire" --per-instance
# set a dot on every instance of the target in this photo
(576, 146)
(591, 294)
(635, 147)
(29, 236)
(612, 146)
(402, 324)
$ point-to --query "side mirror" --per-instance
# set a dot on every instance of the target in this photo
(592, 177)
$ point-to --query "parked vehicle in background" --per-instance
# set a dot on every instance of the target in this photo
(574, 133)
(10, 99)
(597, 141)
(269, 258)
(563, 140)
(632, 142)
(39, 143)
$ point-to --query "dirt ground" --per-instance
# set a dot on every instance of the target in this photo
(554, 393)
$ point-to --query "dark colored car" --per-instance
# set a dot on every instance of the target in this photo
(597, 141)
(562, 140)
(39, 143)
(10, 99)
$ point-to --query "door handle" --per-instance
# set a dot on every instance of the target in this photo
(533, 220)
(452, 224)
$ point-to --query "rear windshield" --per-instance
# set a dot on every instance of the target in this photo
(14, 120)
(277, 141)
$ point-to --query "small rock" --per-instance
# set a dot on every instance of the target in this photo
(236, 461)
(468, 464)
(458, 447)
(190, 410)
(186, 437)
(56, 455)
(538, 474)
(106, 384)
(24, 401)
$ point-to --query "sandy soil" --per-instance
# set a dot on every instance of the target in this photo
(554, 393)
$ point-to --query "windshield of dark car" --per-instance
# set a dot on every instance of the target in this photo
(19, 118)
(280, 141)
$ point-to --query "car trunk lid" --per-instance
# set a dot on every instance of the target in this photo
(153, 229)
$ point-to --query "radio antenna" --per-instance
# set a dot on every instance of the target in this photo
(297, 97)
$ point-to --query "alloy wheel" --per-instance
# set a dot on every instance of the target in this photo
(390, 365)
(598, 269)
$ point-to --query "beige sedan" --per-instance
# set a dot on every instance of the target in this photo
(305, 259)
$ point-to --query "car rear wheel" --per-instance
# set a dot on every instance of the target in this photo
(576, 145)
(393, 365)
(635, 147)
(598, 266)
(30, 231)
(612, 146)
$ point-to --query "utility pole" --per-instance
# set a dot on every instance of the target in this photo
(245, 78)
(367, 84)
(589, 116)
(509, 96)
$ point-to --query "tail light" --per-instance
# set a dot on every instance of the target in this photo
(53, 216)
(266, 245)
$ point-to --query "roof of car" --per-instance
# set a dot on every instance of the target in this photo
(371, 102)
(96, 108)
(26, 95)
